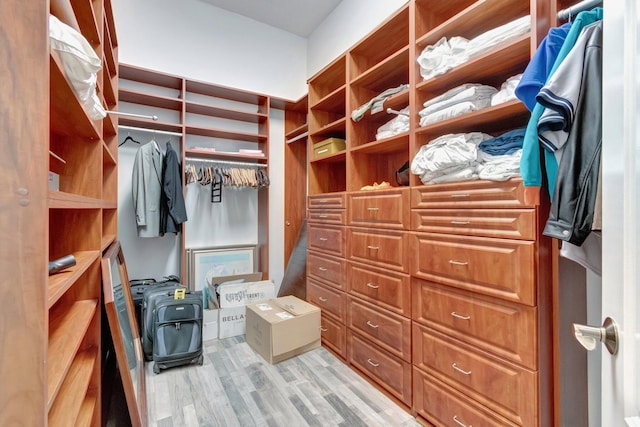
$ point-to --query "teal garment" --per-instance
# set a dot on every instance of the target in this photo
(530, 162)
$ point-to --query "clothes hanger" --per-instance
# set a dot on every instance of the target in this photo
(128, 138)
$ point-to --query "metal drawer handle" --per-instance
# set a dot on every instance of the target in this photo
(460, 195)
(460, 423)
(460, 222)
(371, 324)
(372, 286)
(323, 239)
(322, 269)
(373, 209)
(322, 299)
(452, 262)
(454, 366)
(373, 247)
(460, 316)
(324, 150)
(375, 365)
(323, 216)
(323, 329)
(324, 201)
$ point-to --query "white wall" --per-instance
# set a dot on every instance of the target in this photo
(349, 22)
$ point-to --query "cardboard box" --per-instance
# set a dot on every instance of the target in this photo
(211, 293)
(329, 146)
(241, 294)
(283, 327)
(231, 321)
(210, 325)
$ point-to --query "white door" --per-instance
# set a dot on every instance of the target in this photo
(620, 376)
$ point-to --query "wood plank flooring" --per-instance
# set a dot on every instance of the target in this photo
(236, 387)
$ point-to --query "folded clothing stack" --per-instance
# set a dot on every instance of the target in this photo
(455, 102)
(395, 126)
(499, 157)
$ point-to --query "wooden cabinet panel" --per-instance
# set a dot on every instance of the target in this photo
(496, 267)
(392, 373)
(387, 209)
(327, 201)
(486, 379)
(505, 223)
(326, 239)
(336, 216)
(331, 301)
(383, 288)
(329, 270)
(390, 331)
(471, 194)
(504, 329)
(387, 249)
(443, 406)
(334, 335)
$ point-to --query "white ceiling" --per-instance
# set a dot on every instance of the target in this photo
(299, 17)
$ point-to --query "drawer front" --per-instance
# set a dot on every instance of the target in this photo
(329, 300)
(326, 239)
(329, 270)
(506, 330)
(383, 249)
(383, 288)
(334, 335)
(390, 331)
(327, 201)
(388, 209)
(488, 380)
(505, 223)
(337, 216)
(470, 194)
(444, 406)
(497, 267)
(392, 373)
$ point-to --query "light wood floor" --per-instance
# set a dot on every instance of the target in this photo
(236, 387)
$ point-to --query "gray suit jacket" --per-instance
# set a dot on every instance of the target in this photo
(147, 185)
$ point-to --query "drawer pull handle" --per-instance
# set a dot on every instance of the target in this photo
(372, 363)
(373, 209)
(322, 269)
(457, 368)
(323, 201)
(322, 299)
(452, 262)
(323, 329)
(373, 247)
(460, 316)
(372, 286)
(460, 222)
(323, 239)
(459, 195)
(323, 216)
(324, 150)
(460, 423)
(371, 324)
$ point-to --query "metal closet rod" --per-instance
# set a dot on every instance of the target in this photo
(141, 116)
(163, 132)
(577, 8)
(226, 162)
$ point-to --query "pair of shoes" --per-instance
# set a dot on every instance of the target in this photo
(376, 186)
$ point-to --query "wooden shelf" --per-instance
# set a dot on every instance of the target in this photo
(392, 72)
(66, 333)
(107, 239)
(335, 127)
(108, 157)
(388, 145)
(62, 200)
(225, 113)
(59, 283)
(296, 133)
(155, 78)
(332, 158)
(134, 97)
(195, 153)
(150, 124)
(224, 92)
(334, 101)
(87, 21)
(225, 134)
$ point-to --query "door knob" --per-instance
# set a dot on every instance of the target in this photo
(287, 223)
(589, 336)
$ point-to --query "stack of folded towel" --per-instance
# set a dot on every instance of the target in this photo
(455, 102)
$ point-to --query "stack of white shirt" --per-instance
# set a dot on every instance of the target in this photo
(395, 126)
(507, 90)
(455, 102)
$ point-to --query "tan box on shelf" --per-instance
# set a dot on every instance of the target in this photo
(283, 327)
(329, 146)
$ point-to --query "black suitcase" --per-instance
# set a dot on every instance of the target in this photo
(177, 338)
(138, 288)
(151, 296)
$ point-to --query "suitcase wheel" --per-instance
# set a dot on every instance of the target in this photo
(156, 368)
(201, 360)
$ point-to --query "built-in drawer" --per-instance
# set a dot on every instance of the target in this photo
(505, 223)
(330, 300)
(328, 269)
(336, 216)
(390, 372)
(384, 208)
(390, 331)
(470, 194)
(505, 329)
(327, 201)
(497, 267)
(384, 288)
(327, 239)
(507, 389)
(386, 249)
(442, 405)
(334, 335)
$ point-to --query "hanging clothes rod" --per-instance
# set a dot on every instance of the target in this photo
(163, 132)
(399, 113)
(141, 116)
(577, 8)
(226, 162)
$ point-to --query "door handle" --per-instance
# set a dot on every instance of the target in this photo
(588, 336)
